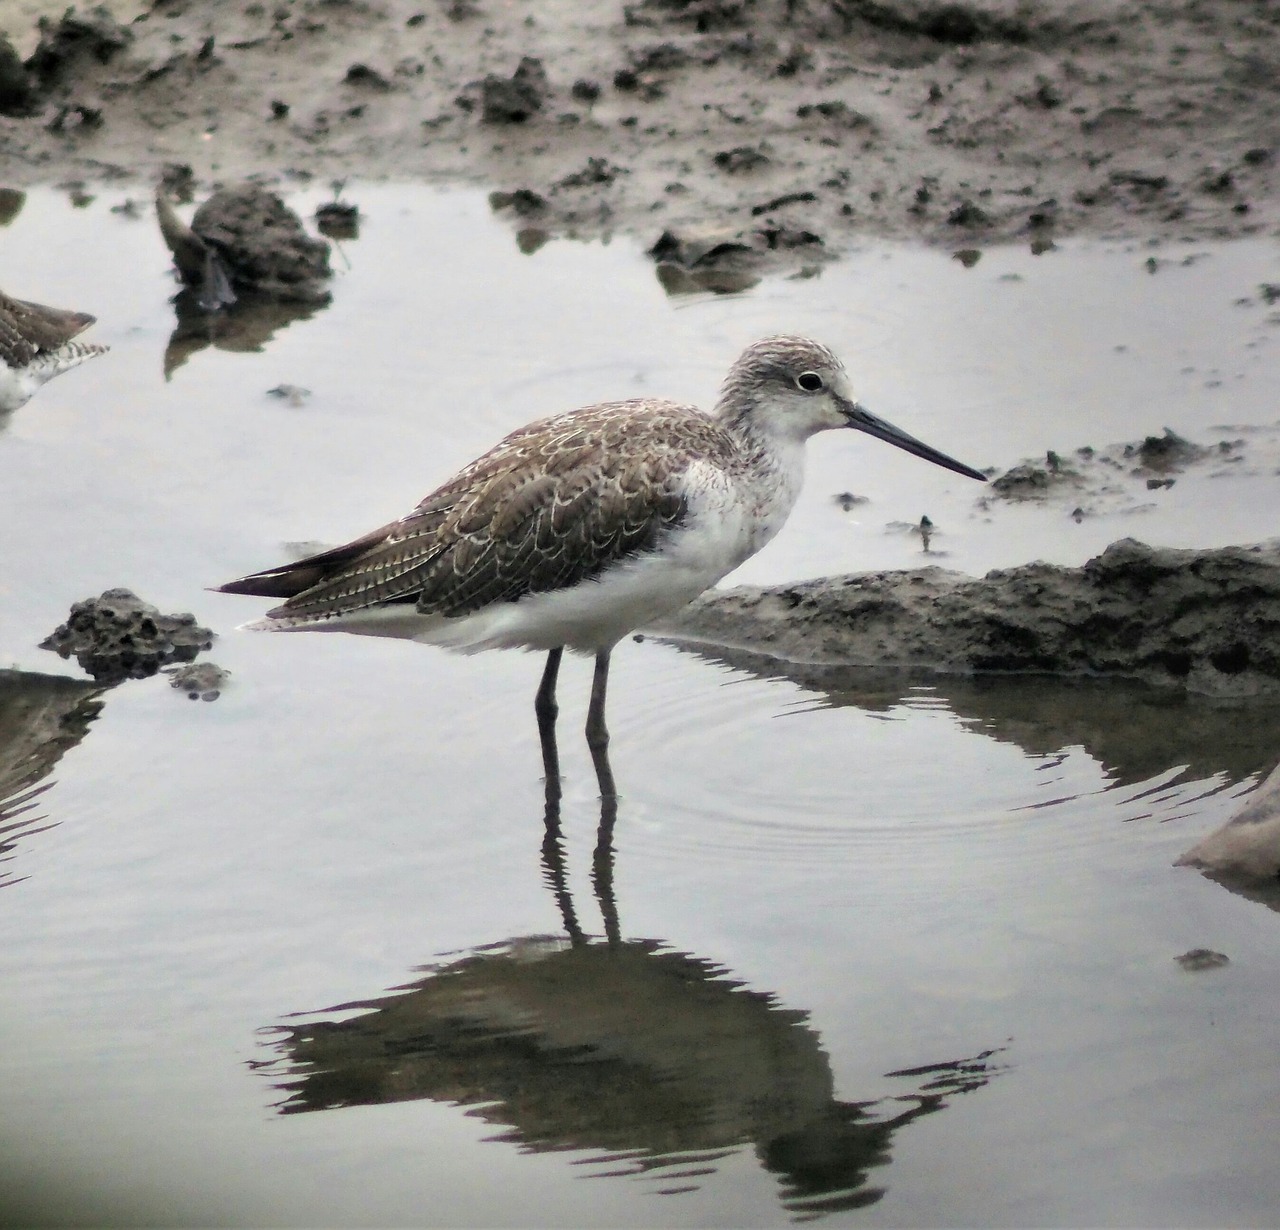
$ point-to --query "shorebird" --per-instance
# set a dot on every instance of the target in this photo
(578, 529)
(36, 345)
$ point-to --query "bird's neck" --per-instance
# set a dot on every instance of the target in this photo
(773, 457)
(773, 440)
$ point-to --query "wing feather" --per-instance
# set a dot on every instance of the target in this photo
(554, 504)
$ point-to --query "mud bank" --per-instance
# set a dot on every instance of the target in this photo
(727, 134)
(1245, 852)
(1205, 622)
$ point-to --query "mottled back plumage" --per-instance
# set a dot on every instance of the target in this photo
(552, 505)
(30, 329)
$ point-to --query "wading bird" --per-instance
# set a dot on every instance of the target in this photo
(36, 345)
(578, 529)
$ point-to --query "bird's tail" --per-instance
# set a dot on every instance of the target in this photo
(69, 355)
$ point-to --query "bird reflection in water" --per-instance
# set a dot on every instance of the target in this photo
(41, 718)
(245, 328)
(657, 1062)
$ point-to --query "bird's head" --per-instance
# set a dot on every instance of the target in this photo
(793, 387)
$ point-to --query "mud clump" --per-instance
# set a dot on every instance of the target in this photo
(1206, 622)
(199, 680)
(338, 220)
(118, 636)
(245, 239)
(1025, 481)
(514, 99)
(1167, 452)
(73, 42)
(1121, 477)
(18, 93)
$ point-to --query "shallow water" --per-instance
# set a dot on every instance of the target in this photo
(889, 952)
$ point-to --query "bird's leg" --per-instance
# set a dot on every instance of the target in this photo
(545, 707)
(544, 704)
(597, 732)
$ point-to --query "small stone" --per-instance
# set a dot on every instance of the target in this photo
(294, 394)
(199, 680)
(739, 159)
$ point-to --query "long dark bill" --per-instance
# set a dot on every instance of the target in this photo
(861, 419)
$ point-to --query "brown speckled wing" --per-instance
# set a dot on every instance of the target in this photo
(29, 329)
(555, 503)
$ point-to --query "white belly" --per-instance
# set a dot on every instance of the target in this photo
(586, 617)
(727, 523)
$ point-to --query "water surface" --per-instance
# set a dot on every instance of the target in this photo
(884, 951)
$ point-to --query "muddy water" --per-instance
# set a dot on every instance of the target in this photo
(892, 952)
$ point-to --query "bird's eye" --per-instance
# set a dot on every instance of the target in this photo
(810, 382)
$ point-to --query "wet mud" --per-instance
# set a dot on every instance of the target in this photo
(1207, 622)
(730, 136)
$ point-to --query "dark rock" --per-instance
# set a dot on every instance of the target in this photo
(597, 171)
(74, 38)
(741, 158)
(779, 202)
(262, 244)
(781, 236)
(1023, 482)
(523, 201)
(18, 93)
(838, 112)
(585, 91)
(1142, 181)
(363, 75)
(514, 100)
(118, 636)
(11, 202)
(338, 220)
(199, 680)
(661, 58)
(1167, 452)
(968, 214)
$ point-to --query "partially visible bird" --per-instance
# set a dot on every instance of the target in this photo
(36, 345)
(578, 529)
